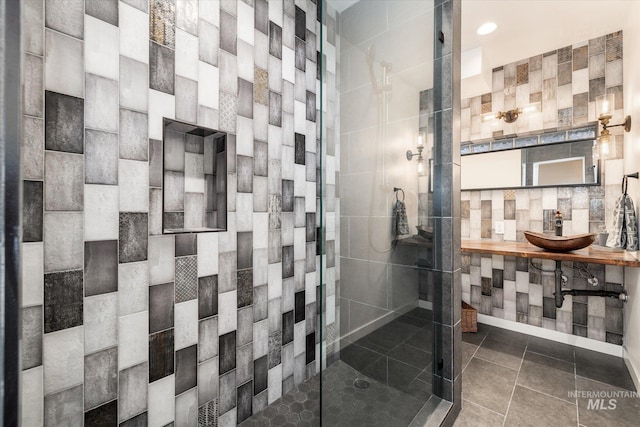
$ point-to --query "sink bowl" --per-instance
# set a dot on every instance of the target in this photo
(424, 231)
(560, 243)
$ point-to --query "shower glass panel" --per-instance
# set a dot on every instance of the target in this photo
(377, 288)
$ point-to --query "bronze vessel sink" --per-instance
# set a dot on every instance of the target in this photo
(560, 243)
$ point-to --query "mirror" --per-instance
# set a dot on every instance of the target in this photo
(570, 163)
(194, 179)
(544, 165)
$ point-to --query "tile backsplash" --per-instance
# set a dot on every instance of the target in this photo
(566, 83)
(121, 323)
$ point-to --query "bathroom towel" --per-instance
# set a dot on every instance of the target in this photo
(400, 222)
(625, 225)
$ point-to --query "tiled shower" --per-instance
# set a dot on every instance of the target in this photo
(125, 323)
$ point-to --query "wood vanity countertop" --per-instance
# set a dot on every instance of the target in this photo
(594, 254)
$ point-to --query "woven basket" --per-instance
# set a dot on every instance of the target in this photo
(469, 318)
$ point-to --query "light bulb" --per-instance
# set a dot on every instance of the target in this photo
(605, 105)
(531, 108)
(421, 167)
(604, 147)
(486, 28)
(420, 141)
(488, 117)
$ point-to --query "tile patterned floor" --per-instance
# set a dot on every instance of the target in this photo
(343, 404)
(397, 354)
(395, 360)
(509, 379)
(512, 379)
(299, 407)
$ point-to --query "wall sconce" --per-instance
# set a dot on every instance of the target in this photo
(604, 107)
(420, 148)
(511, 116)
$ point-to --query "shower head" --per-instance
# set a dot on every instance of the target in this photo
(371, 54)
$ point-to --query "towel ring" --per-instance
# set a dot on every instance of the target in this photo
(624, 181)
(397, 189)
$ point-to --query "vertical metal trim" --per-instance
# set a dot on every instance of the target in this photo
(321, 235)
(10, 183)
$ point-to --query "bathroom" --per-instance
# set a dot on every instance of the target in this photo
(220, 222)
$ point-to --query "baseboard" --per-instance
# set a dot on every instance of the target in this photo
(632, 370)
(582, 342)
(432, 413)
(366, 329)
(427, 305)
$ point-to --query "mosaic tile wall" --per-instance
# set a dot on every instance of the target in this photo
(124, 325)
(566, 82)
(510, 288)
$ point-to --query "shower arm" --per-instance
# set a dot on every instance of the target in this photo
(386, 67)
(374, 81)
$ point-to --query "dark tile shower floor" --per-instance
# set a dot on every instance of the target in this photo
(398, 354)
(396, 362)
(509, 379)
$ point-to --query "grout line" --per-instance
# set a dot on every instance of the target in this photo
(552, 357)
(515, 384)
(484, 407)
(600, 382)
(413, 347)
(473, 355)
(575, 382)
(545, 394)
(497, 364)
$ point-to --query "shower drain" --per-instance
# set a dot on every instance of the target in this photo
(361, 384)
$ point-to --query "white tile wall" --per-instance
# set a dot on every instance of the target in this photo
(161, 402)
(100, 322)
(102, 48)
(186, 323)
(133, 287)
(32, 262)
(63, 359)
(133, 339)
(64, 64)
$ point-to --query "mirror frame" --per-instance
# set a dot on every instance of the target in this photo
(534, 139)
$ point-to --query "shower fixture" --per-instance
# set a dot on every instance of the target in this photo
(386, 67)
(511, 116)
(381, 94)
(420, 148)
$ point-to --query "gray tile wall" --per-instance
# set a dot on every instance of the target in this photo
(447, 377)
(566, 81)
(122, 324)
(511, 288)
(377, 277)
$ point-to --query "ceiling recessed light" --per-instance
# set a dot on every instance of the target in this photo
(487, 28)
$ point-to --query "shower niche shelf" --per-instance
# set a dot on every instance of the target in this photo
(194, 178)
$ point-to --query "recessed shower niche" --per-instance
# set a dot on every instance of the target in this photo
(194, 178)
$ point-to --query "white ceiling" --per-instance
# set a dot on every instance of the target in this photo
(526, 28)
(530, 27)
